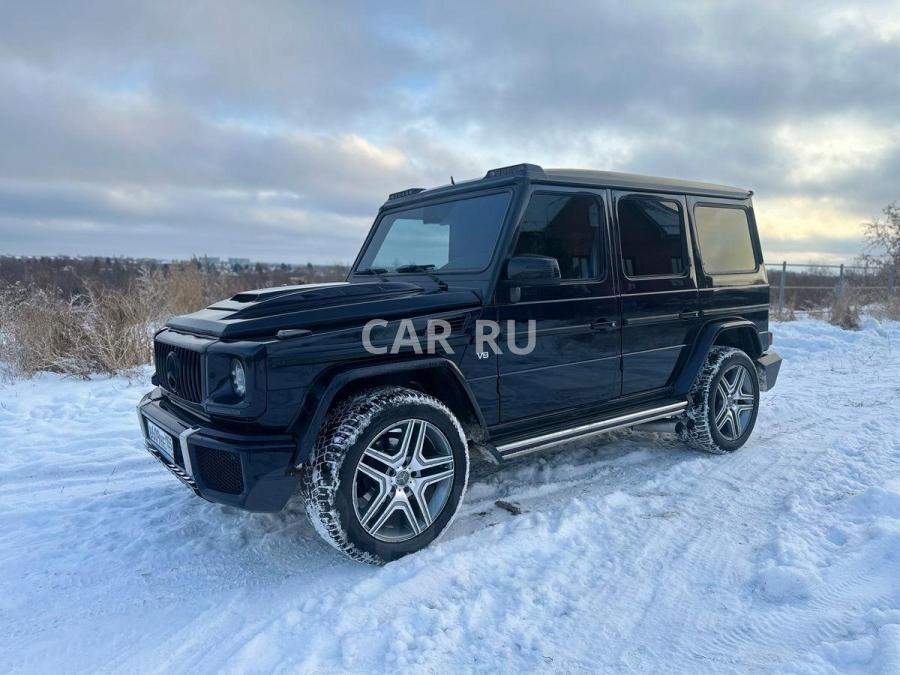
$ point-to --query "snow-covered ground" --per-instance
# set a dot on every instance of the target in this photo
(634, 554)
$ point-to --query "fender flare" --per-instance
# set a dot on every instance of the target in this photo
(327, 387)
(704, 342)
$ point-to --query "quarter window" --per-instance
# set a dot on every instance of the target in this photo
(652, 235)
(568, 227)
(723, 234)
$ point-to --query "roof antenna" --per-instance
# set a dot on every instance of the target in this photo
(452, 182)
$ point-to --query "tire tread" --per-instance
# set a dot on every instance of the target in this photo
(320, 476)
(697, 430)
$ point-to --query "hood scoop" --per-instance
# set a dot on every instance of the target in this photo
(311, 307)
(265, 293)
(269, 301)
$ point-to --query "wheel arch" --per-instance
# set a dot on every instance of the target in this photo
(739, 333)
(438, 377)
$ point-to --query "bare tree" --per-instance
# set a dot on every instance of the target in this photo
(884, 233)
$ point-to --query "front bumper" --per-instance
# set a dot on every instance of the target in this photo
(768, 366)
(252, 472)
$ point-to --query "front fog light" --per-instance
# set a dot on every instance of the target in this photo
(238, 378)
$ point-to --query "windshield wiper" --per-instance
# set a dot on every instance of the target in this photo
(407, 269)
(424, 269)
(372, 270)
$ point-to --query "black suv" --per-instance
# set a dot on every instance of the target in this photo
(505, 315)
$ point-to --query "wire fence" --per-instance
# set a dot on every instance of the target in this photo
(796, 286)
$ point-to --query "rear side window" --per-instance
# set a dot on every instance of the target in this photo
(652, 234)
(568, 227)
(724, 237)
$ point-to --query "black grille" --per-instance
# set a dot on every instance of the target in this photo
(220, 470)
(182, 375)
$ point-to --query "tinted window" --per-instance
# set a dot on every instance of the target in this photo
(652, 235)
(724, 238)
(450, 236)
(568, 227)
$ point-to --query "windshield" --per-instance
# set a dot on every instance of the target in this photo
(452, 236)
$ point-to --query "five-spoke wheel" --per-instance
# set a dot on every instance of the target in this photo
(734, 402)
(387, 474)
(402, 480)
(723, 402)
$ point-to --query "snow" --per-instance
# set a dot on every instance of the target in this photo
(633, 554)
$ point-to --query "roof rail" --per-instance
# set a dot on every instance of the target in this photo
(405, 193)
(528, 170)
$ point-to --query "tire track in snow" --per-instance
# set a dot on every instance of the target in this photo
(633, 555)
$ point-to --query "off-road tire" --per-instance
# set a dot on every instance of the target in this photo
(327, 478)
(699, 429)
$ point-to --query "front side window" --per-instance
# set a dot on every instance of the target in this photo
(652, 234)
(723, 234)
(458, 235)
(568, 227)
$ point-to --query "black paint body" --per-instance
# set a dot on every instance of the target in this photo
(602, 344)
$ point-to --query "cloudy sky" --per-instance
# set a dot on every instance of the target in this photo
(274, 130)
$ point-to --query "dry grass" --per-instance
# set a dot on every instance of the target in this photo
(844, 311)
(789, 313)
(100, 330)
(890, 309)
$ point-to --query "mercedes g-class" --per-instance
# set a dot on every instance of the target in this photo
(639, 301)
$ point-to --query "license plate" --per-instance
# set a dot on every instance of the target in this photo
(161, 440)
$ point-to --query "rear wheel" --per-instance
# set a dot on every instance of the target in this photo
(723, 403)
(387, 475)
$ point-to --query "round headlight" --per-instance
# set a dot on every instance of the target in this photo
(238, 378)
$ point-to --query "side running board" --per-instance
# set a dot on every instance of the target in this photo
(626, 419)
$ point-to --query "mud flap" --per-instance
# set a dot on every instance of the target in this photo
(768, 366)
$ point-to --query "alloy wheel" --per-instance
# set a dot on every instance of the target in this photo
(733, 402)
(403, 480)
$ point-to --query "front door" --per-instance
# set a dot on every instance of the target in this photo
(575, 361)
(659, 288)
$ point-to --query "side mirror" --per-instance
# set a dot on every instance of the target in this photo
(532, 269)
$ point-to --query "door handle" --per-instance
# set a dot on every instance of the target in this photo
(693, 314)
(604, 324)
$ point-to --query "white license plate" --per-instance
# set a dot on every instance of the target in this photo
(161, 440)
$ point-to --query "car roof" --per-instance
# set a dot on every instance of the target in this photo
(640, 182)
(584, 177)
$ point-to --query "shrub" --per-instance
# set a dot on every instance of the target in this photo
(42, 331)
(86, 326)
(844, 312)
(788, 312)
(889, 309)
(93, 333)
(97, 331)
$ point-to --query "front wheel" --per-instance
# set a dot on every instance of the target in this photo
(387, 474)
(723, 402)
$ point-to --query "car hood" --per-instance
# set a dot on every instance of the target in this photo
(312, 306)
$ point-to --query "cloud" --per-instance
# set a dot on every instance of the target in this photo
(275, 131)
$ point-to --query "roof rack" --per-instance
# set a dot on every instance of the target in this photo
(405, 193)
(528, 170)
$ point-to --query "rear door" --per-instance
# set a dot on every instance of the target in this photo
(660, 304)
(575, 361)
(733, 280)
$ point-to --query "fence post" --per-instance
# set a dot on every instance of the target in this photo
(781, 289)
(891, 271)
(840, 286)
